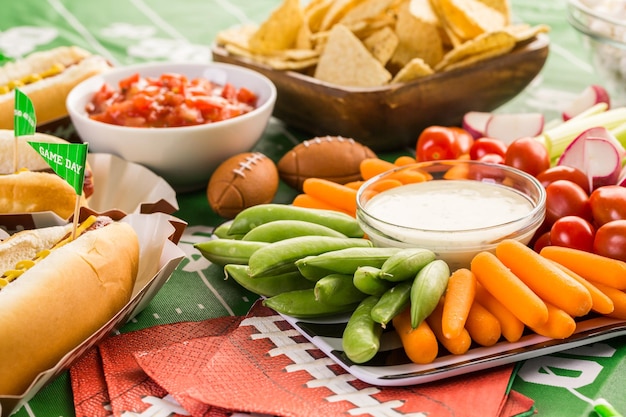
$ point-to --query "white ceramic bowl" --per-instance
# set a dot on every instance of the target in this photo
(603, 26)
(455, 209)
(184, 156)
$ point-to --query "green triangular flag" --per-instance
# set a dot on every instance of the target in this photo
(66, 159)
(24, 119)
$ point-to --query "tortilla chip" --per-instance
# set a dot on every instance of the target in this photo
(280, 30)
(337, 10)
(418, 35)
(500, 40)
(314, 13)
(238, 35)
(366, 10)
(523, 32)
(473, 59)
(346, 61)
(416, 68)
(470, 18)
(501, 6)
(382, 44)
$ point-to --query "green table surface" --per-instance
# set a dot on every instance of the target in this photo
(132, 31)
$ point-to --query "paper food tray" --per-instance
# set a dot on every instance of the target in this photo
(119, 186)
(159, 256)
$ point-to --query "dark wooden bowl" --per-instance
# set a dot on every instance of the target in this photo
(392, 117)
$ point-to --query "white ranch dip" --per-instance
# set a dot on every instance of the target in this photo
(453, 218)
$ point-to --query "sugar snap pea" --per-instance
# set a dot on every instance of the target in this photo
(254, 216)
(284, 229)
(428, 287)
(367, 279)
(361, 337)
(344, 261)
(392, 302)
(303, 304)
(221, 231)
(337, 289)
(268, 286)
(405, 264)
(279, 257)
(228, 251)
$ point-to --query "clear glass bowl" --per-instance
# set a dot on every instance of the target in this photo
(603, 25)
(458, 210)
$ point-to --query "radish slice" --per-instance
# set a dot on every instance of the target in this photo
(621, 181)
(508, 127)
(475, 123)
(589, 97)
(596, 153)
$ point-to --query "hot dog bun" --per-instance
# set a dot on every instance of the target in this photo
(49, 93)
(36, 188)
(62, 300)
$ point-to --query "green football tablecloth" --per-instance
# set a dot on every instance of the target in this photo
(131, 31)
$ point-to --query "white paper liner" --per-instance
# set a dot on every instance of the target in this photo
(159, 257)
(119, 185)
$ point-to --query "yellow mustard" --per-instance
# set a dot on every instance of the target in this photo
(55, 69)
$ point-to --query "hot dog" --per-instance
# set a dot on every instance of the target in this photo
(46, 77)
(35, 187)
(57, 295)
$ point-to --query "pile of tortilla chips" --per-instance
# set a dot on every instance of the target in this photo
(367, 43)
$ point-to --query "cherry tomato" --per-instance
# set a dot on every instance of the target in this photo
(437, 143)
(484, 146)
(564, 172)
(610, 240)
(542, 241)
(565, 198)
(572, 232)
(464, 139)
(527, 154)
(493, 158)
(608, 203)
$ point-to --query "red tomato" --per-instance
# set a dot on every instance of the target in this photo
(564, 172)
(610, 240)
(608, 203)
(572, 232)
(542, 241)
(527, 154)
(464, 139)
(483, 146)
(565, 198)
(493, 158)
(437, 143)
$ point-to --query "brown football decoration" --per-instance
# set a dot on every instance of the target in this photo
(244, 180)
(333, 158)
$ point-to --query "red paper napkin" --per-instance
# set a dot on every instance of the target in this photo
(214, 368)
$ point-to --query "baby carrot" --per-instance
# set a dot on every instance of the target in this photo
(619, 300)
(482, 326)
(404, 160)
(410, 176)
(507, 288)
(332, 193)
(457, 301)
(550, 283)
(512, 328)
(600, 302)
(420, 344)
(307, 201)
(456, 345)
(370, 167)
(385, 184)
(593, 267)
(354, 184)
(560, 325)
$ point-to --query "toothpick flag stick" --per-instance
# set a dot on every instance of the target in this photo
(24, 121)
(68, 161)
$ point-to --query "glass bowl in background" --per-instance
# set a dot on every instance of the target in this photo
(603, 26)
(454, 208)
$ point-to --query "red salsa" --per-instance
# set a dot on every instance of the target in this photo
(169, 101)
